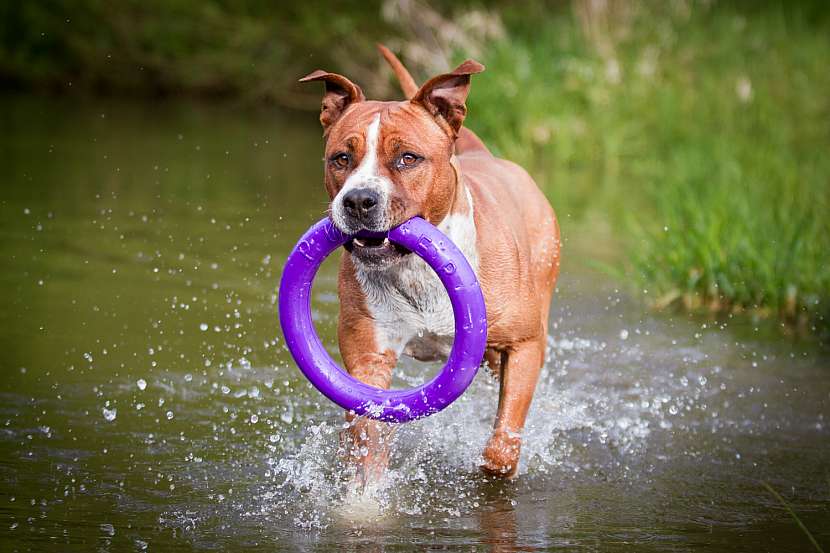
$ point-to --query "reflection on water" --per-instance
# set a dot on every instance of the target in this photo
(148, 402)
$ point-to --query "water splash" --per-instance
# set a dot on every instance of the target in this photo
(592, 412)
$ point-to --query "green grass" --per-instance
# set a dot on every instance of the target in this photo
(696, 133)
(794, 516)
(702, 136)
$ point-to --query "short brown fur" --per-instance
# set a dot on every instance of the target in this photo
(517, 242)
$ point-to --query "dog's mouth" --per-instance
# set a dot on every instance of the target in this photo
(375, 250)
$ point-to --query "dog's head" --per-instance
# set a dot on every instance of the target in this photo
(386, 162)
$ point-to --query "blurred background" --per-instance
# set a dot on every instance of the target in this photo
(158, 160)
(696, 132)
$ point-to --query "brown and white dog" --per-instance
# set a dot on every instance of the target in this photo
(386, 162)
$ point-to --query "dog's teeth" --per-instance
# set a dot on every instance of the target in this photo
(360, 242)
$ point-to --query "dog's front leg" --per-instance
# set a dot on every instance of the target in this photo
(519, 375)
(366, 441)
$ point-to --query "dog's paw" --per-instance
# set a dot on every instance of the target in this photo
(501, 454)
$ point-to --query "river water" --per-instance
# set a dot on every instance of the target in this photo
(148, 404)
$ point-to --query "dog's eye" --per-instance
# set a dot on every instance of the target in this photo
(341, 160)
(408, 159)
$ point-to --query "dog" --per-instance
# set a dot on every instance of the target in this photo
(388, 161)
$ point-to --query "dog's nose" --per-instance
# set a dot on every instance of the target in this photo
(361, 203)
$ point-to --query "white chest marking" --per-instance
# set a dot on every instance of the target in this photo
(408, 301)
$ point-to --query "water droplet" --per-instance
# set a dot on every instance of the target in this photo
(107, 529)
(623, 334)
(109, 414)
(170, 415)
(141, 383)
(203, 327)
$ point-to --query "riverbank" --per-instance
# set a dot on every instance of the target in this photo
(707, 132)
(696, 133)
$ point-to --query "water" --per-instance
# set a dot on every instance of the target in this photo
(148, 403)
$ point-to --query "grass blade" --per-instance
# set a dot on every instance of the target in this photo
(792, 514)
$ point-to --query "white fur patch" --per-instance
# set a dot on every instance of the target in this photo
(410, 306)
(365, 176)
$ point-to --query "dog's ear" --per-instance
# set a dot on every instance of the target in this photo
(340, 94)
(445, 95)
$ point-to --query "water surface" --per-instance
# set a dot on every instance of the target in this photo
(148, 403)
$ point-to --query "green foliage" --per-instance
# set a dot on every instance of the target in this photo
(696, 133)
(703, 135)
(244, 48)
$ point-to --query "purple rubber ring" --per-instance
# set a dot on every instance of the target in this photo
(314, 361)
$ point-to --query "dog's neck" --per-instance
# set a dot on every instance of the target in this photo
(459, 223)
(461, 202)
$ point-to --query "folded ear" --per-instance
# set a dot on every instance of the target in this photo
(445, 95)
(340, 94)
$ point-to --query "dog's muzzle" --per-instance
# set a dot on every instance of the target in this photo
(361, 206)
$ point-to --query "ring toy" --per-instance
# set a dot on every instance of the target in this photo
(455, 273)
